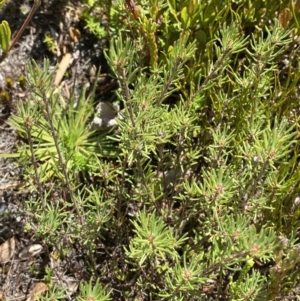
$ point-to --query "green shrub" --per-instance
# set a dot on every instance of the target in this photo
(193, 194)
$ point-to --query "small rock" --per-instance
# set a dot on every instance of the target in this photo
(30, 251)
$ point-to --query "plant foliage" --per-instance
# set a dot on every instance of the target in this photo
(194, 194)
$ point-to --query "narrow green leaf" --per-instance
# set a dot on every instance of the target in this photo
(2, 2)
(172, 4)
(186, 20)
(14, 155)
(5, 36)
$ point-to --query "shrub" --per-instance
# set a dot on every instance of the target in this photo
(192, 195)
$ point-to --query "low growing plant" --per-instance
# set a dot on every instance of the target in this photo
(62, 142)
(93, 292)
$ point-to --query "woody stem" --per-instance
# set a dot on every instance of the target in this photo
(35, 6)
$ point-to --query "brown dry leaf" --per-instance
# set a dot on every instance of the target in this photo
(62, 68)
(37, 290)
(284, 17)
(74, 34)
(1, 295)
(7, 250)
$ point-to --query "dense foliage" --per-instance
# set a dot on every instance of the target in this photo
(193, 193)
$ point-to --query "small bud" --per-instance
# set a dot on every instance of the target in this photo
(22, 82)
(9, 82)
(4, 97)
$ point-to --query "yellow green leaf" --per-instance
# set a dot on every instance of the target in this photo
(2, 2)
(185, 18)
(5, 36)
